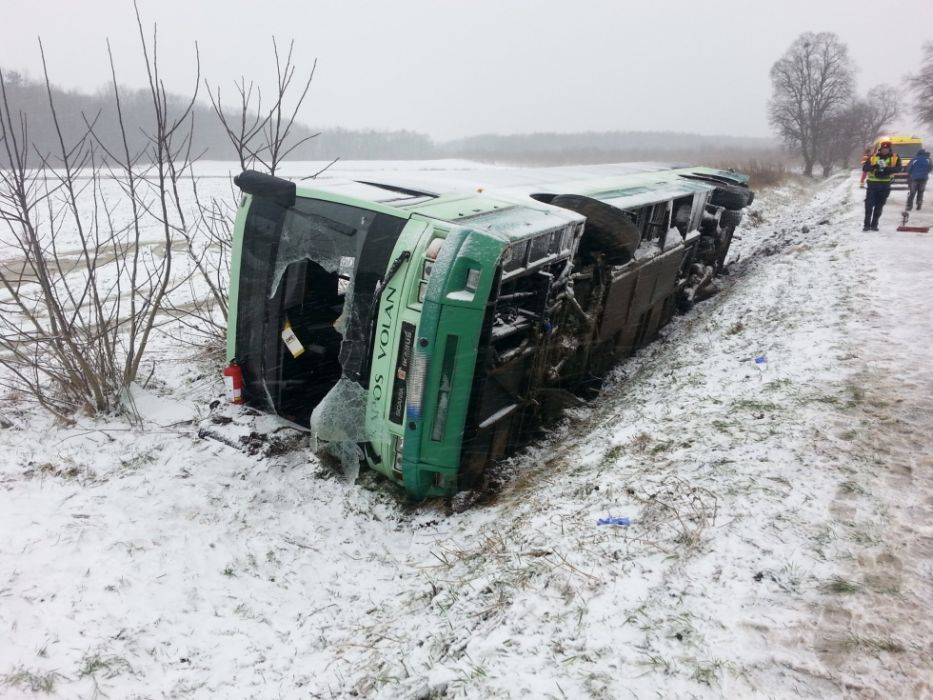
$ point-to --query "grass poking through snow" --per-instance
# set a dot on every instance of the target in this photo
(33, 681)
(840, 586)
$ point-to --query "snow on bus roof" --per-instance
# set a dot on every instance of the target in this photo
(444, 193)
(366, 191)
(508, 178)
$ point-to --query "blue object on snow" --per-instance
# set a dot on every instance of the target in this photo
(761, 359)
(611, 520)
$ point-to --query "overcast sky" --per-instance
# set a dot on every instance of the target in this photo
(452, 68)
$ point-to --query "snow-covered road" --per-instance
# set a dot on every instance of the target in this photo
(781, 542)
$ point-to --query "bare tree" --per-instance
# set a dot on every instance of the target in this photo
(878, 110)
(842, 131)
(208, 243)
(849, 130)
(49, 333)
(811, 84)
(921, 85)
(79, 303)
(170, 158)
(264, 136)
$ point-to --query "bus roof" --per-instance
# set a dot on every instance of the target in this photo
(504, 201)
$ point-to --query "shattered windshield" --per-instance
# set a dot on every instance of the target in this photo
(323, 232)
(307, 284)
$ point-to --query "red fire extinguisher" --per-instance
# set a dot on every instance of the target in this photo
(233, 378)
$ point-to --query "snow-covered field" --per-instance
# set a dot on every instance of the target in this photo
(781, 538)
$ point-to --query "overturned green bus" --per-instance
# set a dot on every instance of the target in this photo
(427, 331)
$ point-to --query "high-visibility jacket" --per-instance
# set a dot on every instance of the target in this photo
(882, 168)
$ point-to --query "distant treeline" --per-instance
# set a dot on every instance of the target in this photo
(609, 147)
(76, 110)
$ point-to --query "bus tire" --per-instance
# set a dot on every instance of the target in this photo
(731, 196)
(730, 218)
(608, 230)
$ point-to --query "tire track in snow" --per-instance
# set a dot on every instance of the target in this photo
(876, 630)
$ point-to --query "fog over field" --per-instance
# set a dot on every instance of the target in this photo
(456, 69)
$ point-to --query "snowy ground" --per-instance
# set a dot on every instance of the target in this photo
(781, 539)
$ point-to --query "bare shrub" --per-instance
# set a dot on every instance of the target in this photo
(261, 138)
(761, 173)
(80, 300)
(208, 241)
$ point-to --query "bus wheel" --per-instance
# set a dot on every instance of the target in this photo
(608, 230)
(731, 196)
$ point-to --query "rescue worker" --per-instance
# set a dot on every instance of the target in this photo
(865, 157)
(918, 172)
(880, 169)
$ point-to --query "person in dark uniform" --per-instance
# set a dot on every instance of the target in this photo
(880, 169)
(918, 172)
